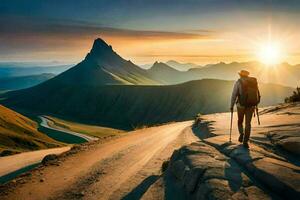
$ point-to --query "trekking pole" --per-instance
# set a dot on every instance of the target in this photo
(258, 120)
(230, 126)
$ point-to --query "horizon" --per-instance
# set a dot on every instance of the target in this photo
(187, 31)
(55, 63)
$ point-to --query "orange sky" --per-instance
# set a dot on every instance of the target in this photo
(144, 32)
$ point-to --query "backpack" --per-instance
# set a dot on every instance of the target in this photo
(249, 95)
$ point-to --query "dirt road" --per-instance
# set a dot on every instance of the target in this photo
(112, 170)
(13, 163)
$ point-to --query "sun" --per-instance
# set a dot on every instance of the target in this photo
(270, 54)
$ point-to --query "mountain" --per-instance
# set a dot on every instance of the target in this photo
(165, 74)
(21, 82)
(129, 106)
(18, 134)
(28, 69)
(103, 66)
(283, 74)
(181, 66)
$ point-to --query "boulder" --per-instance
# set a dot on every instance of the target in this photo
(179, 169)
(192, 178)
(254, 193)
(49, 159)
(291, 144)
(279, 176)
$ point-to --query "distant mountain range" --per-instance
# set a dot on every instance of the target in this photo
(21, 82)
(27, 69)
(182, 66)
(283, 74)
(174, 64)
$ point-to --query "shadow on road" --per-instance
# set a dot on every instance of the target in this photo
(138, 192)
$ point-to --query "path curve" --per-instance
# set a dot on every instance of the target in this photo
(44, 124)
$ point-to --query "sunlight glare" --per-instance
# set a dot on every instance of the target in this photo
(270, 54)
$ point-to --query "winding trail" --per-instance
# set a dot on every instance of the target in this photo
(44, 124)
(109, 170)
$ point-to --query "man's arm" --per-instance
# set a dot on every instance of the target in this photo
(234, 95)
(258, 96)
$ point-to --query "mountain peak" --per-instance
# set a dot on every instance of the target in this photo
(100, 44)
(100, 49)
(161, 66)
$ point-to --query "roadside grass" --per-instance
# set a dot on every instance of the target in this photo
(91, 130)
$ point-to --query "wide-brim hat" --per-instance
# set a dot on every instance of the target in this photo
(244, 73)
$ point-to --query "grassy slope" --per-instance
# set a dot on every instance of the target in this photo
(126, 107)
(18, 133)
(96, 131)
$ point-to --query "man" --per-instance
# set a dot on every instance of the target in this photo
(246, 96)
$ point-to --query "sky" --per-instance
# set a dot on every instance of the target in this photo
(145, 31)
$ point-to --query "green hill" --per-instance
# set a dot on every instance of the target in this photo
(128, 106)
(18, 134)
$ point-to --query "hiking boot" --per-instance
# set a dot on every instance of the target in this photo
(246, 145)
(241, 137)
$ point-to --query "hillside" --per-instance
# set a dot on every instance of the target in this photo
(21, 82)
(125, 107)
(18, 134)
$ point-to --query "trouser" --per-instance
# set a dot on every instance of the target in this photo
(246, 113)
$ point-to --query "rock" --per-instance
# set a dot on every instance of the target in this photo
(192, 178)
(165, 165)
(174, 156)
(291, 144)
(240, 195)
(42, 180)
(49, 159)
(244, 156)
(218, 142)
(279, 176)
(218, 189)
(179, 169)
(254, 193)
(203, 161)
(202, 192)
(82, 193)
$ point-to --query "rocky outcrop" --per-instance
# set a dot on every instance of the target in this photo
(273, 171)
(287, 140)
(205, 173)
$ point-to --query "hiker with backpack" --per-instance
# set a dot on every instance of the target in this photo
(246, 96)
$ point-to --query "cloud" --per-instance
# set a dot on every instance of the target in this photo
(57, 39)
(49, 28)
